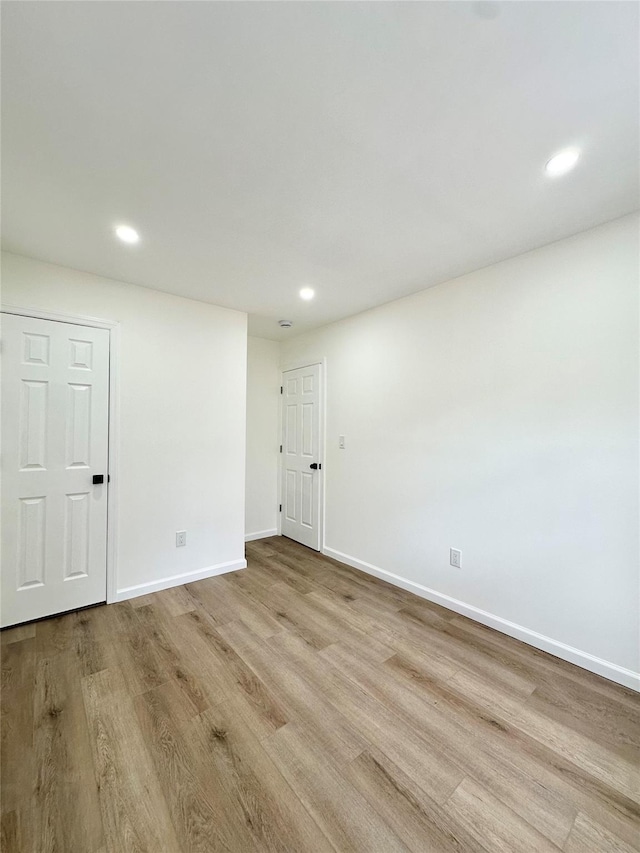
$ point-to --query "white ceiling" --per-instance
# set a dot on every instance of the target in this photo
(369, 150)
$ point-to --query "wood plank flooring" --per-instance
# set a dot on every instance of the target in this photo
(300, 705)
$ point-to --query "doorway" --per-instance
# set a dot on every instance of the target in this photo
(55, 480)
(302, 455)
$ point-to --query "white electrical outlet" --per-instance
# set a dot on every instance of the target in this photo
(181, 538)
(455, 557)
(341, 442)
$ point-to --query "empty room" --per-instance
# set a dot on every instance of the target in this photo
(320, 427)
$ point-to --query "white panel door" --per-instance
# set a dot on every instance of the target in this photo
(55, 410)
(301, 455)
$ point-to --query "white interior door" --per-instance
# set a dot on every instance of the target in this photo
(55, 410)
(301, 455)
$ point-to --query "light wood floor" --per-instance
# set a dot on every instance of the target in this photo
(302, 706)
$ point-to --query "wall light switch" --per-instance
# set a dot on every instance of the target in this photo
(455, 558)
(181, 538)
(341, 442)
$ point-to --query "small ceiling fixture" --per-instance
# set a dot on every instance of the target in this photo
(307, 293)
(562, 162)
(285, 324)
(127, 234)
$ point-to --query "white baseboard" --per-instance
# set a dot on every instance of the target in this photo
(609, 670)
(177, 580)
(261, 534)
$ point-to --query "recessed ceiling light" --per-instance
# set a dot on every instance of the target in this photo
(127, 234)
(307, 293)
(562, 162)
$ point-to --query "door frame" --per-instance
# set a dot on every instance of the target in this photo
(113, 427)
(322, 400)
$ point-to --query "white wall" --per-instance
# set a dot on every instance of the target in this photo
(498, 414)
(263, 400)
(181, 414)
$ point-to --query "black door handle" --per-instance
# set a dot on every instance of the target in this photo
(98, 479)
(315, 466)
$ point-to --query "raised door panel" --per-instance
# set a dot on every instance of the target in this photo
(80, 354)
(308, 432)
(290, 502)
(77, 534)
(306, 499)
(31, 535)
(34, 405)
(36, 349)
(78, 426)
(291, 429)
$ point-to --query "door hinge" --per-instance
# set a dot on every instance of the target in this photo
(281, 389)
(280, 448)
(280, 507)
